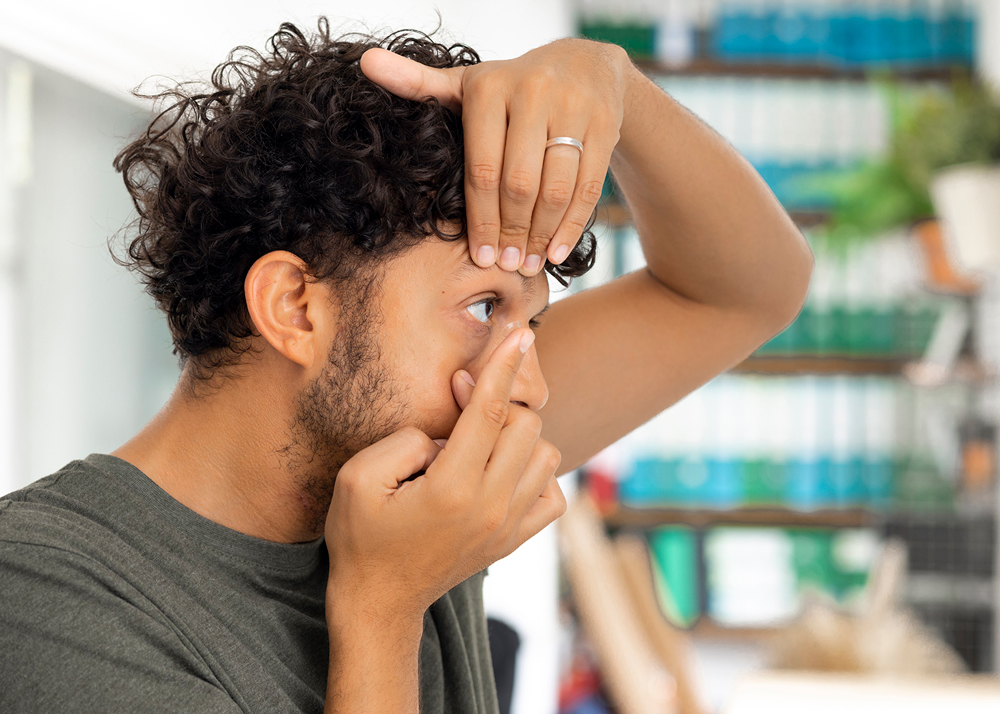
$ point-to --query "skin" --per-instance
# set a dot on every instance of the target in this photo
(727, 270)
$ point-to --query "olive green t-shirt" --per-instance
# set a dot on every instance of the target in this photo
(114, 597)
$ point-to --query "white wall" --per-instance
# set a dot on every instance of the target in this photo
(116, 44)
(91, 358)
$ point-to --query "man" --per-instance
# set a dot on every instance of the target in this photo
(348, 237)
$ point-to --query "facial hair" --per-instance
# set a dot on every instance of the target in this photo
(354, 403)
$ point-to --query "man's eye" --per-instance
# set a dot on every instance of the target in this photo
(482, 310)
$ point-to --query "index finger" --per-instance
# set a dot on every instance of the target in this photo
(475, 434)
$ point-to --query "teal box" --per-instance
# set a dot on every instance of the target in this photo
(878, 475)
(848, 482)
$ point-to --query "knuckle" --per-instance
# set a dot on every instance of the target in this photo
(484, 176)
(514, 228)
(494, 518)
(495, 411)
(519, 185)
(590, 191)
(557, 193)
(412, 437)
(484, 228)
(538, 242)
(528, 421)
(560, 503)
(550, 456)
(574, 225)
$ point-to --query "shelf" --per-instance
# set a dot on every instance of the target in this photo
(819, 365)
(617, 215)
(703, 67)
(706, 628)
(625, 517)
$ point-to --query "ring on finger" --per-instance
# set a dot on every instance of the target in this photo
(567, 140)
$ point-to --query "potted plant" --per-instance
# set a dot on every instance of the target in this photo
(944, 160)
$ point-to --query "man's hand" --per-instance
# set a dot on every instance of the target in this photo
(396, 545)
(525, 202)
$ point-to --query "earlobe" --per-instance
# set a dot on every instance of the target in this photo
(285, 306)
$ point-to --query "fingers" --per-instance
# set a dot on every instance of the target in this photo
(484, 120)
(544, 508)
(516, 445)
(522, 169)
(594, 161)
(411, 80)
(475, 434)
(558, 183)
(461, 387)
(390, 461)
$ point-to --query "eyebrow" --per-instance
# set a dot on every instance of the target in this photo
(468, 267)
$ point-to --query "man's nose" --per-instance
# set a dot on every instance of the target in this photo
(530, 388)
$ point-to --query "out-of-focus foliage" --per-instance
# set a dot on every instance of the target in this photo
(932, 129)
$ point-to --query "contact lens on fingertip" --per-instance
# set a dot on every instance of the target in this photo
(513, 325)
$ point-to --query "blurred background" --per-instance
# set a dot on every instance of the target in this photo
(829, 505)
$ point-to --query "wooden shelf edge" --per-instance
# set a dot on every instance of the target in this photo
(820, 365)
(790, 70)
(626, 517)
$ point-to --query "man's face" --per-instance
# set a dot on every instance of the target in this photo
(432, 313)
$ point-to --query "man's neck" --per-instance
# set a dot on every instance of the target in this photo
(218, 452)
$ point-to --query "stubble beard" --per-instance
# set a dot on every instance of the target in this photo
(354, 403)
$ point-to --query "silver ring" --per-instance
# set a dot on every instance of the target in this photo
(568, 140)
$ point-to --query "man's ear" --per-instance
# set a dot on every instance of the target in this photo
(290, 311)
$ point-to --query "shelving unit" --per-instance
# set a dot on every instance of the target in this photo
(708, 67)
(933, 595)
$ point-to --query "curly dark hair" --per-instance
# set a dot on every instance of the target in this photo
(293, 149)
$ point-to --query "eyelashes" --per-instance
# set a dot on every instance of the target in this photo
(483, 311)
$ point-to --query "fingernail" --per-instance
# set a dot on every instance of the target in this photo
(526, 341)
(532, 263)
(441, 442)
(467, 377)
(510, 259)
(560, 254)
(486, 256)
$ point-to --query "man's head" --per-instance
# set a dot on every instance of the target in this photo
(290, 150)
(293, 169)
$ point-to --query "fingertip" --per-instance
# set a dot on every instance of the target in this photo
(527, 339)
(559, 253)
(532, 264)
(485, 256)
(462, 385)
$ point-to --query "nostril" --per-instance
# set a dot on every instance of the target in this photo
(519, 403)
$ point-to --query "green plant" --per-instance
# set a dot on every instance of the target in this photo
(932, 129)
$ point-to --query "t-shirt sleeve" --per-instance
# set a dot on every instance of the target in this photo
(76, 637)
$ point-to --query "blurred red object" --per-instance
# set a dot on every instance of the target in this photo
(602, 488)
(581, 682)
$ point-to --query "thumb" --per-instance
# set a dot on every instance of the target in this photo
(462, 385)
(409, 79)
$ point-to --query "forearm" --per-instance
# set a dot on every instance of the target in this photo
(711, 229)
(373, 663)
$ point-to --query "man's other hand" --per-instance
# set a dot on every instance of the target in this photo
(397, 544)
(525, 202)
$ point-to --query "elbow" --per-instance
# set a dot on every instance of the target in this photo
(792, 285)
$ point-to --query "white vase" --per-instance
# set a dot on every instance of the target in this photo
(967, 201)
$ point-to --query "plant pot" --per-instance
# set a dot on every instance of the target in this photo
(967, 200)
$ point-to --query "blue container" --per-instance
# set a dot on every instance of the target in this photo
(726, 483)
(808, 483)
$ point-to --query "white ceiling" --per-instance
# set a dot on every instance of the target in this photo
(115, 45)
